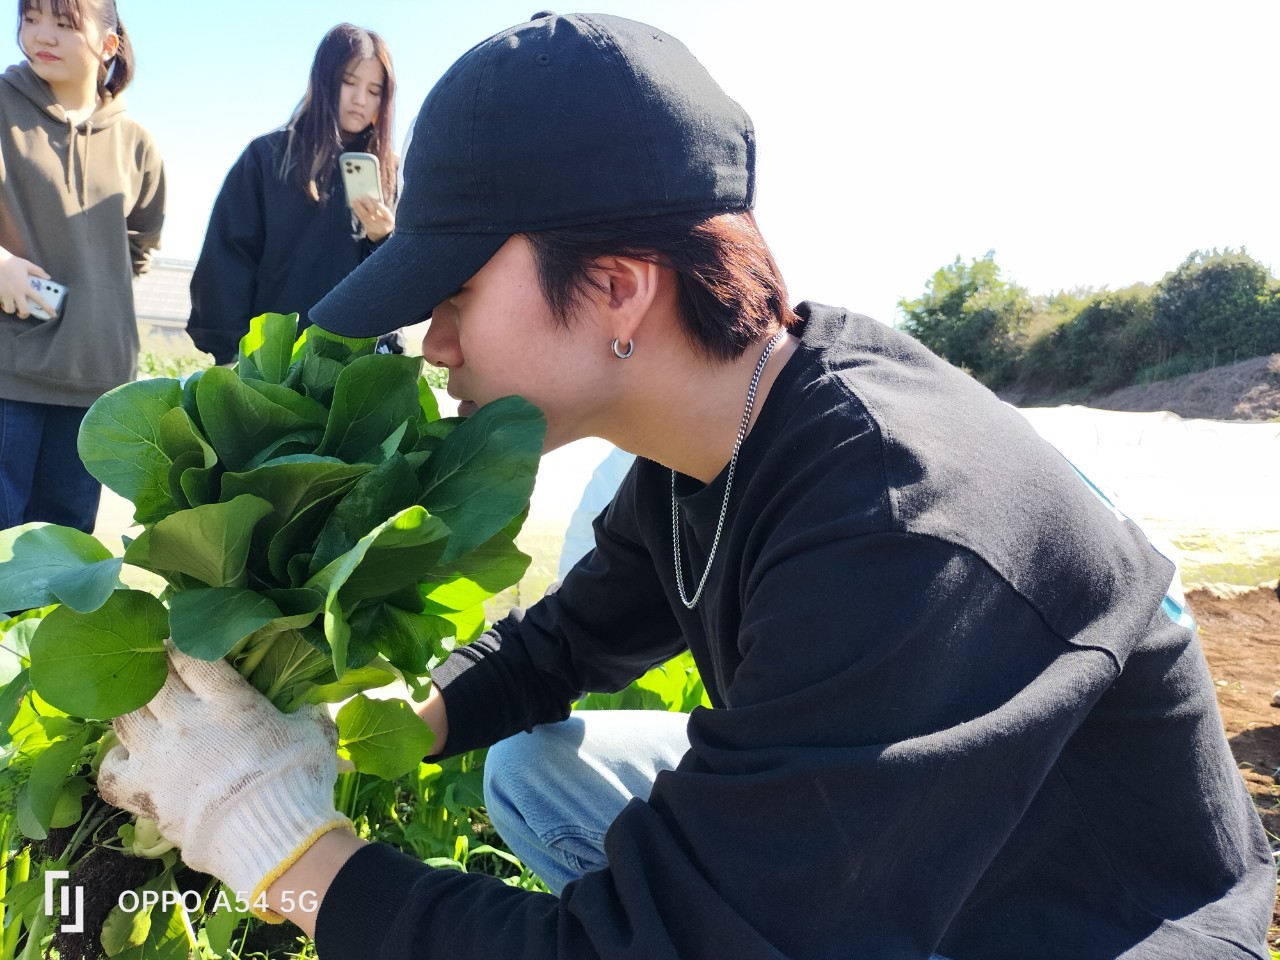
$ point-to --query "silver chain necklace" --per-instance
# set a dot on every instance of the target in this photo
(690, 603)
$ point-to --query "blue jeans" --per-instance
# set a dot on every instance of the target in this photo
(553, 793)
(41, 475)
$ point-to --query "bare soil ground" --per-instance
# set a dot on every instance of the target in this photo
(1241, 640)
(1248, 390)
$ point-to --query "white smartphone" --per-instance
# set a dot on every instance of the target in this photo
(54, 293)
(360, 176)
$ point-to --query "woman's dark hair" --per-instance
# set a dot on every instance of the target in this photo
(114, 75)
(315, 134)
(730, 288)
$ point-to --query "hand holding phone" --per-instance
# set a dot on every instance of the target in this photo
(50, 292)
(360, 176)
(375, 216)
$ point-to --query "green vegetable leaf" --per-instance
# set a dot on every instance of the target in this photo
(386, 490)
(10, 702)
(315, 376)
(68, 808)
(487, 570)
(137, 553)
(467, 624)
(38, 797)
(382, 737)
(392, 556)
(166, 934)
(124, 929)
(105, 663)
(37, 724)
(35, 555)
(209, 543)
(374, 395)
(356, 680)
(193, 460)
(266, 351)
(289, 552)
(220, 924)
(177, 434)
(87, 588)
(241, 418)
(427, 401)
(410, 641)
(482, 474)
(294, 659)
(320, 341)
(292, 484)
(207, 624)
(120, 444)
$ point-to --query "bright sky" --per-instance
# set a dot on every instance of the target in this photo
(1089, 143)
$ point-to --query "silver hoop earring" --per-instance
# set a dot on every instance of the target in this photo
(631, 347)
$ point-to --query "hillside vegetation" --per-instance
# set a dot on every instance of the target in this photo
(1215, 308)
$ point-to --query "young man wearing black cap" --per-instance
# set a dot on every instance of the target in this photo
(960, 710)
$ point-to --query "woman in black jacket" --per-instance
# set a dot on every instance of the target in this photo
(282, 233)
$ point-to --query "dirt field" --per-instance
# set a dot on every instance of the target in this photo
(1248, 390)
(1241, 639)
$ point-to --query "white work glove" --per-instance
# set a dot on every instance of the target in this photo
(241, 788)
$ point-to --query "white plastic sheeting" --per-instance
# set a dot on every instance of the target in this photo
(1211, 488)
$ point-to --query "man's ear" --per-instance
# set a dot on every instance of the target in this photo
(632, 287)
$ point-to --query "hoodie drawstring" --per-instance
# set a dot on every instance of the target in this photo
(84, 169)
(71, 151)
(84, 162)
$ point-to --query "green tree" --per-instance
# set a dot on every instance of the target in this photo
(1110, 339)
(971, 317)
(1216, 307)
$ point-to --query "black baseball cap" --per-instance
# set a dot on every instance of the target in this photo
(562, 121)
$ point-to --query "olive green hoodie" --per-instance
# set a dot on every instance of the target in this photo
(85, 202)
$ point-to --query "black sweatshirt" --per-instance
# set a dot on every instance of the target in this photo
(269, 248)
(955, 711)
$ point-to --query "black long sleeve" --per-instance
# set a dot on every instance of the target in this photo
(948, 689)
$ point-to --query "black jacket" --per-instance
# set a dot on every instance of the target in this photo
(955, 710)
(268, 248)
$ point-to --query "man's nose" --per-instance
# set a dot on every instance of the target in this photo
(439, 347)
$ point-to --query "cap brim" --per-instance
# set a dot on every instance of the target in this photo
(402, 281)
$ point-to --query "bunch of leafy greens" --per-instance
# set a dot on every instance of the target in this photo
(314, 521)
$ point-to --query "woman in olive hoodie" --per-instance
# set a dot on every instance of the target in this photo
(81, 204)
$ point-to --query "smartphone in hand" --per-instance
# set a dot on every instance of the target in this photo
(54, 293)
(360, 176)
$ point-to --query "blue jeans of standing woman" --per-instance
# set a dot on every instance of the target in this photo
(41, 475)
